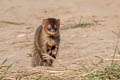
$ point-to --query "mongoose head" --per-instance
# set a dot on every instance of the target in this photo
(51, 26)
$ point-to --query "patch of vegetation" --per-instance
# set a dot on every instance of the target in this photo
(41, 77)
(4, 66)
(80, 25)
(3, 69)
(111, 72)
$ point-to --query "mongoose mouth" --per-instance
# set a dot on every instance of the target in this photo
(52, 32)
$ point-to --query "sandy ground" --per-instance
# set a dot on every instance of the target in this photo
(20, 18)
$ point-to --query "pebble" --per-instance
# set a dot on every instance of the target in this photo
(21, 35)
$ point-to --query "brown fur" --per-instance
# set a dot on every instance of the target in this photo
(46, 41)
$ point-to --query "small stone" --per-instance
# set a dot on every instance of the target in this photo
(28, 27)
(21, 35)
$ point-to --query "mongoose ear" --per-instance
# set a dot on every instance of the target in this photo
(58, 22)
(44, 22)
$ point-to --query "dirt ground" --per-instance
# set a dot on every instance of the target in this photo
(78, 48)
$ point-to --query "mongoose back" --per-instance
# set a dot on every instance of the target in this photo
(46, 41)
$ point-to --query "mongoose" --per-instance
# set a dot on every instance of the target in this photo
(46, 42)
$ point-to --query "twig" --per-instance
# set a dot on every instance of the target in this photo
(13, 23)
(107, 59)
(82, 75)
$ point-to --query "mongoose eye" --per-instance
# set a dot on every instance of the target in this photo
(49, 26)
(55, 27)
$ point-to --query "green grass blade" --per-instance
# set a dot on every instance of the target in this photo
(4, 61)
(9, 66)
(46, 79)
(40, 77)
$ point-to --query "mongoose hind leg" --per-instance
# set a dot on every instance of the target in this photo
(36, 60)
